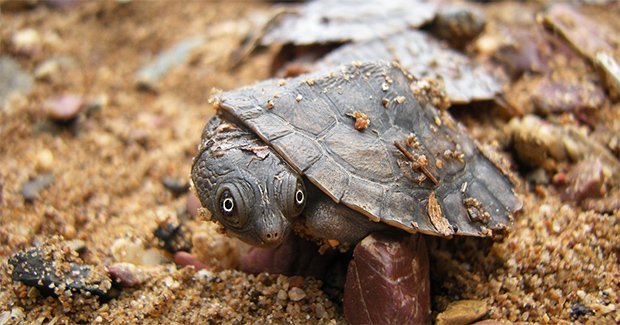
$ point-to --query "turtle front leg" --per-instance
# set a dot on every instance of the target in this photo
(388, 281)
(329, 221)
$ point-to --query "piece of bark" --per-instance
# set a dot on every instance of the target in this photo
(596, 42)
(334, 21)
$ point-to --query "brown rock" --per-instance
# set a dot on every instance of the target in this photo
(566, 95)
(584, 34)
(30, 190)
(458, 25)
(463, 312)
(585, 180)
(523, 55)
(126, 274)
(296, 294)
(296, 281)
(63, 108)
(175, 186)
(596, 42)
(388, 279)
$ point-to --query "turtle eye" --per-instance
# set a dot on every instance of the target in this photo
(231, 206)
(300, 197)
(300, 194)
(227, 204)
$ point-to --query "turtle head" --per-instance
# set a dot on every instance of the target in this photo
(254, 196)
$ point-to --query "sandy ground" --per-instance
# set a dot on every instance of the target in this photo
(558, 264)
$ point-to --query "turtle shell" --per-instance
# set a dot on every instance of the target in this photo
(371, 141)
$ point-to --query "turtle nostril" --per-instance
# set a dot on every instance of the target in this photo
(271, 237)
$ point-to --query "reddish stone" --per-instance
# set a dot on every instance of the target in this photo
(125, 275)
(63, 108)
(585, 180)
(566, 95)
(388, 281)
(186, 259)
(296, 281)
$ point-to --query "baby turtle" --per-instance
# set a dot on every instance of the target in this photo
(290, 154)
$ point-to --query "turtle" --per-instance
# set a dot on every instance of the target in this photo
(342, 154)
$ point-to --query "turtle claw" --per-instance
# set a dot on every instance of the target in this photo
(388, 281)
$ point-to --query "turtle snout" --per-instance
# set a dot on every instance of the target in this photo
(271, 237)
(273, 231)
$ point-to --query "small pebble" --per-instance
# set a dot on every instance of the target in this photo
(458, 25)
(77, 245)
(31, 189)
(126, 250)
(320, 311)
(361, 120)
(126, 274)
(27, 41)
(175, 186)
(173, 236)
(63, 108)
(13, 79)
(186, 259)
(148, 76)
(47, 70)
(577, 310)
(586, 179)
(45, 160)
(282, 295)
(463, 312)
(296, 294)
(296, 281)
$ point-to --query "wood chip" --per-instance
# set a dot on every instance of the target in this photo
(437, 219)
